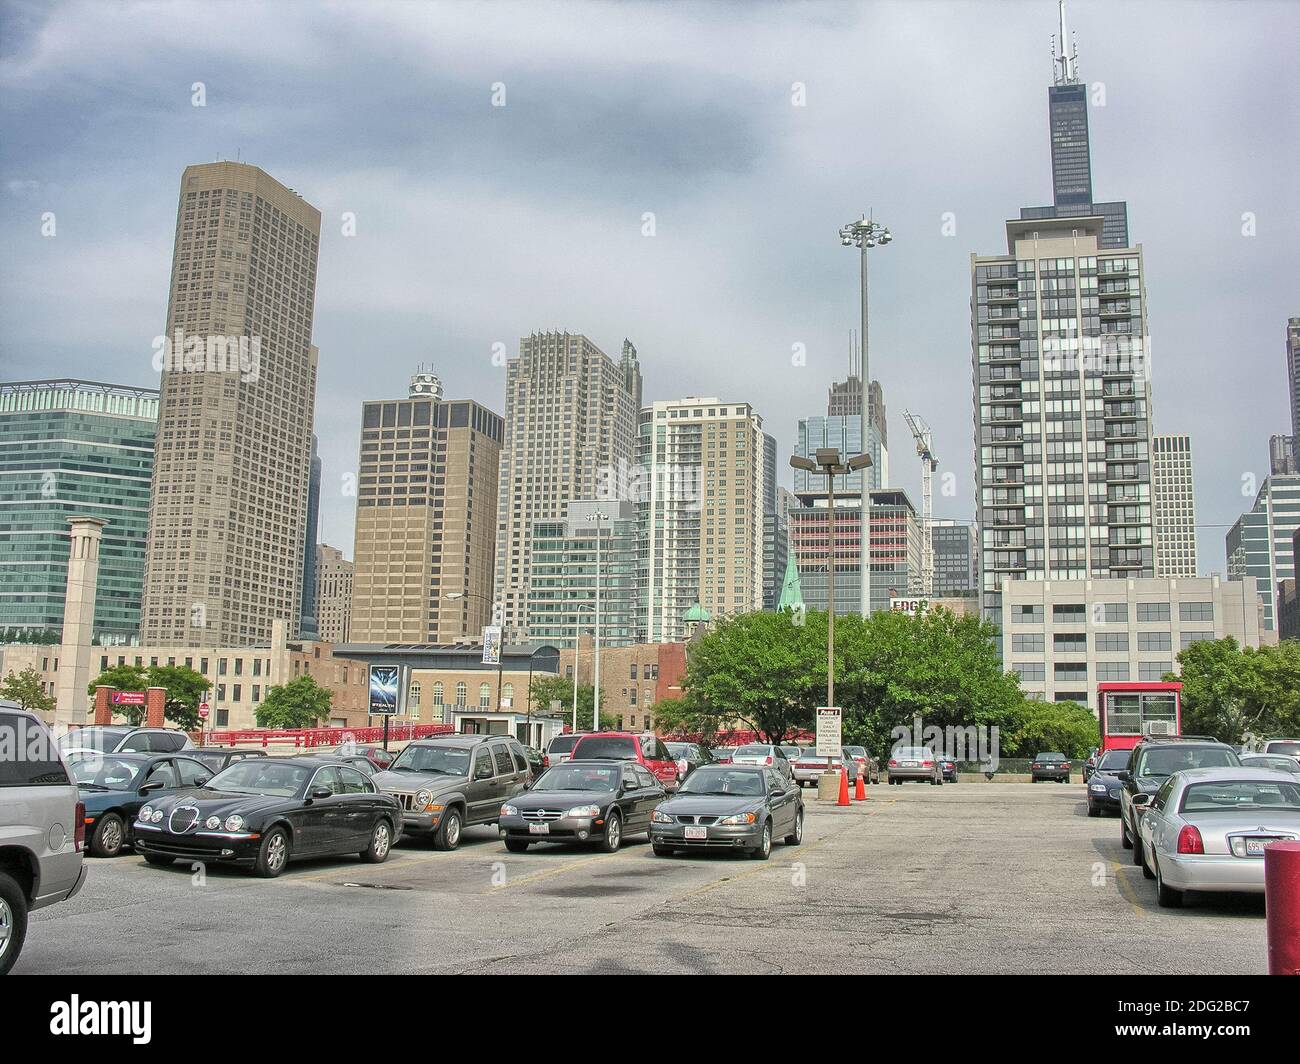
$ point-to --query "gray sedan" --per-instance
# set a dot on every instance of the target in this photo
(1206, 829)
(734, 807)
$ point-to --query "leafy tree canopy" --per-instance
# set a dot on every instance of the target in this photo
(300, 703)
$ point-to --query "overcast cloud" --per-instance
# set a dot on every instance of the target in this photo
(478, 224)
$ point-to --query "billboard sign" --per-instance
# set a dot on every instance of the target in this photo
(913, 606)
(492, 645)
(384, 689)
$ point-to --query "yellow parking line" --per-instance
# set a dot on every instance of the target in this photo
(548, 873)
(1126, 890)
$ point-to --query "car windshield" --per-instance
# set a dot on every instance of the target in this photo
(678, 749)
(723, 781)
(1114, 760)
(620, 748)
(1241, 794)
(92, 738)
(575, 776)
(261, 775)
(439, 760)
(1281, 764)
(855, 751)
(563, 744)
(1290, 749)
(753, 751)
(1160, 762)
(111, 773)
(1050, 757)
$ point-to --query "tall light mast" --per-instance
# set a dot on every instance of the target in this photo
(929, 463)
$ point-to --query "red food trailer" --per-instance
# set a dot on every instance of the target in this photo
(1128, 711)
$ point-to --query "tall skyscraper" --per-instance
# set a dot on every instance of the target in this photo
(570, 433)
(706, 485)
(73, 448)
(307, 628)
(1293, 371)
(1173, 505)
(956, 570)
(228, 509)
(1261, 542)
(426, 513)
(1067, 114)
(333, 595)
(1062, 408)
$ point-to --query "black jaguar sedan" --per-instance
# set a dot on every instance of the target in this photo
(585, 801)
(266, 811)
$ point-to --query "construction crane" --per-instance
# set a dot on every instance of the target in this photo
(929, 463)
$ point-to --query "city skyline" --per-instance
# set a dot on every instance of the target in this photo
(710, 148)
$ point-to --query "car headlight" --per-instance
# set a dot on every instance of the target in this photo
(146, 813)
(1097, 788)
(157, 816)
(739, 818)
(583, 811)
(212, 823)
(661, 818)
(235, 823)
(509, 810)
(422, 799)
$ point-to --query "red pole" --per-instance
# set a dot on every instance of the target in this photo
(1282, 906)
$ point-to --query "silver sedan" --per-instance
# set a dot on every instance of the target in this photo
(1206, 829)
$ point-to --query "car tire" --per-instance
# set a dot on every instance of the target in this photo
(662, 851)
(381, 843)
(612, 838)
(1094, 809)
(763, 850)
(516, 845)
(1146, 868)
(1137, 849)
(109, 837)
(159, 859)
(13, 916)
(1167, 897)
(796, 837)
(273, 854)
(1125, 839)
(447, 837)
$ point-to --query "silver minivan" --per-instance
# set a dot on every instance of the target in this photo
(42, 830)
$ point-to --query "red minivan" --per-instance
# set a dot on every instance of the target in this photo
(630, 746)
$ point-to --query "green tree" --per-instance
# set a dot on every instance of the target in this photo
(1232, 693)
(1064, 727)
(300, 703)
(548, 689)
(184, 686)
(122, 678)
(27, 690)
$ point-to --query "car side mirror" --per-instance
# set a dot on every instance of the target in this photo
(202, 781)
(1123, 775)
(152, 785)
(321, 792)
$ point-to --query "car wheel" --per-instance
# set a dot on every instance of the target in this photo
(447, 837)
(763, 850)
(1167, 896)
(662, 851)
(517, 845)
(109, 836)
(1093, 809)
(1125, 839)
(796, 836)
(160, 859)
(13, 922)
(613, 837)
(1137, 848)
(381, 844)
(273, 855)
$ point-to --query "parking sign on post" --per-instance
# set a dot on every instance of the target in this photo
(828, 731)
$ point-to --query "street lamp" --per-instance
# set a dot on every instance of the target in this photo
(501, 651)
(828, 463)
(865, 234)
(594, 723)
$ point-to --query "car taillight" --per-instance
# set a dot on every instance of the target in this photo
(1190, 841)
(926, 764)
(893, 763)
(79, 835)
(767, 760)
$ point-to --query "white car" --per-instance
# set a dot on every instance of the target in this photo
(1206, 829)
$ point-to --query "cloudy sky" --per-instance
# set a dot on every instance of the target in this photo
(478, 224)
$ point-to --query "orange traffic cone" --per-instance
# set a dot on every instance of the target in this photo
(861, 793)
(844, 787)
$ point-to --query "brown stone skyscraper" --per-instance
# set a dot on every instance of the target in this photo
(228, 508)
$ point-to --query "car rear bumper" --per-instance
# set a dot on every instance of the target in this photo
(911, 773)
(1048, 774)
(1213, 872)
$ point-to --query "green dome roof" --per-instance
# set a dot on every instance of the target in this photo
(697, 614)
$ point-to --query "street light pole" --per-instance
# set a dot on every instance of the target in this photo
(595, 711)
(865, 234)
(576, 636)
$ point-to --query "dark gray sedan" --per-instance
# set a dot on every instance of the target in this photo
(733, 807)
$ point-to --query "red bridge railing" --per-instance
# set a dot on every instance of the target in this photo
(307, 738)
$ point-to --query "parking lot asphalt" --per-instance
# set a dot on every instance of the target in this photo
(971, 878)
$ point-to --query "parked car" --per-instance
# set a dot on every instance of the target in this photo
(947, 767)
(1277, 762)
(42, 829)
(811, 766)
(454, 781)
(360, 762)
(1104, 784)
(1050, 766)
(583, 801)
(218, 758)
(536, 762)
(765, 754)
(378, 757)
(917, 763)
(1154, 760)
(721, 755)
(1090, 763)
(790, 752)
(1285, 747)
(736, 807)
(559, 748)
(113, 787)
(1205, 829)
(124, 739)
(690, 756)
(867, 766)
(265, 812)
(642, 748)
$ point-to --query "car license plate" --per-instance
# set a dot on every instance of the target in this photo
(697, 833)
(1255, 847)
(910, 764)
(539, 829)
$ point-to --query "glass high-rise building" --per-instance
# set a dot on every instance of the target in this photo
(73, 448)
(1261, 542)
(307, 626)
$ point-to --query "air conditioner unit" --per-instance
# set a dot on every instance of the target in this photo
(1158, 727)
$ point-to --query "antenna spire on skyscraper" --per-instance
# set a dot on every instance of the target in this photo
(1065, 56)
